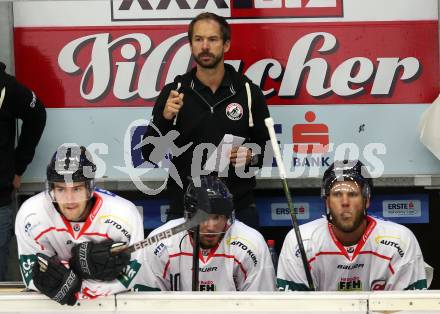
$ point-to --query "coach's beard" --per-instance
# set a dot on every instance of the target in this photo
(215, 60)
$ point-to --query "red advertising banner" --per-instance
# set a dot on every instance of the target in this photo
(394, 62)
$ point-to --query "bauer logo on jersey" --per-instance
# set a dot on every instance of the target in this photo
(234, 111)
(402, 208)
(280, 211)
(208, 269)
(353, 266)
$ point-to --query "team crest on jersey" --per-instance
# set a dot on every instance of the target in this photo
(76, 227)
(350, 249)
(234, 111)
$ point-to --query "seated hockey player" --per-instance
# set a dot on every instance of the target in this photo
(232, 256)
(65, 234)
(351, 250)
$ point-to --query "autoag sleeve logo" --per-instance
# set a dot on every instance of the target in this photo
(128, 10)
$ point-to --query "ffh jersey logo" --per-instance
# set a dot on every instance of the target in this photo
(127, 10)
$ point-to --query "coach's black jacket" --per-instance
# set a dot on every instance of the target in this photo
(199, 121)
(18, 103)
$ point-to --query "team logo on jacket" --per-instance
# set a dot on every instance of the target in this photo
(234, 111)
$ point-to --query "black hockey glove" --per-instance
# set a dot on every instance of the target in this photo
(95, 261)
(54, 280)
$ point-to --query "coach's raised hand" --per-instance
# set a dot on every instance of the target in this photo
(173, 105)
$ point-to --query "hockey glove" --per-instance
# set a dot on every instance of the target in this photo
(95, 261)
(54, 280)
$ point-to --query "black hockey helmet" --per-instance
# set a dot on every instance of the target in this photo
(346, 170)
(220, 199)
(71, 163)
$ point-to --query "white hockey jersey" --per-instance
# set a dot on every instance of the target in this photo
(387, 257)
(40, 228)
(240, 262)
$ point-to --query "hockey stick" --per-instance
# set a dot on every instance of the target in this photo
(282, 171)
(200, 216)
(195, 261)
(202, 201)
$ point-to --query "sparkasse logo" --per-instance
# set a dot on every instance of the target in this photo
(150, 10)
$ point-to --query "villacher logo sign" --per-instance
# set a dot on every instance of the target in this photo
(150, 10)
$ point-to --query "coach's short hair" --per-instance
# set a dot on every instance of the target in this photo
(225, 29)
